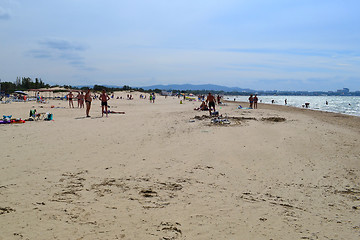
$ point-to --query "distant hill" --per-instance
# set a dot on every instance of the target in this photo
(191, 87)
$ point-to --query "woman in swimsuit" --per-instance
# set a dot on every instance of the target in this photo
(82, 97)
(255, 101)
(78, 97)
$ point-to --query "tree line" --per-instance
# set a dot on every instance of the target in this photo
(124, 88)
(22, 84)
(26, 83)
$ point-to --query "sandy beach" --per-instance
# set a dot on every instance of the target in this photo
(164, 171)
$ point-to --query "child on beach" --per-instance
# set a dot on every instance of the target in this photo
(104, 98)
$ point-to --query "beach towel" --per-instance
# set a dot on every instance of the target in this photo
(7, 118)
(240, 107)
(17, 121)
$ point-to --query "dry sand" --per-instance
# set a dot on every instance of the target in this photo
(158, 173)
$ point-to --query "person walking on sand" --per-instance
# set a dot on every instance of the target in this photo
(70, 97)
(255, 101)
(88, 100)
(251, 100)
(211, 101)
(104, 99)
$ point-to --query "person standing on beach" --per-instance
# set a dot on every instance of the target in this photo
(251, 100)
(70, 98)
(255, 101)
(211, 101)
(104, 99)
(88, 100)
(219, 99)
(78, 97)
(82, 97)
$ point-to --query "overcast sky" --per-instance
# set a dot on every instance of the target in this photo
(258, 44)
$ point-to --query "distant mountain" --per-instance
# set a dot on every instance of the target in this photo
(191, 87)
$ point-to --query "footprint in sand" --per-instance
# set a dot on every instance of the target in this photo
(169, 230)
(4, 210)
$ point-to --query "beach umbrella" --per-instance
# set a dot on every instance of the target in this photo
(21, 92)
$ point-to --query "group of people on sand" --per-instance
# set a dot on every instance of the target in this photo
(209, 103)
(152, 97)
(104, 98)
(80, 99)
(203, 107)
(253, 101)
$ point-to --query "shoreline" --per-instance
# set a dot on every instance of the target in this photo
(348, 105)
(354, 121)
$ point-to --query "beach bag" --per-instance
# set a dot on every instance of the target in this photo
(32, 112)
(49, 117)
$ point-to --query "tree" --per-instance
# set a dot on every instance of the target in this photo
(99, 88)
(37, 83)
(8, 87)
(26, 83)
(125, 87)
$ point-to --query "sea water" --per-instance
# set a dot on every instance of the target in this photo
(349, 105)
